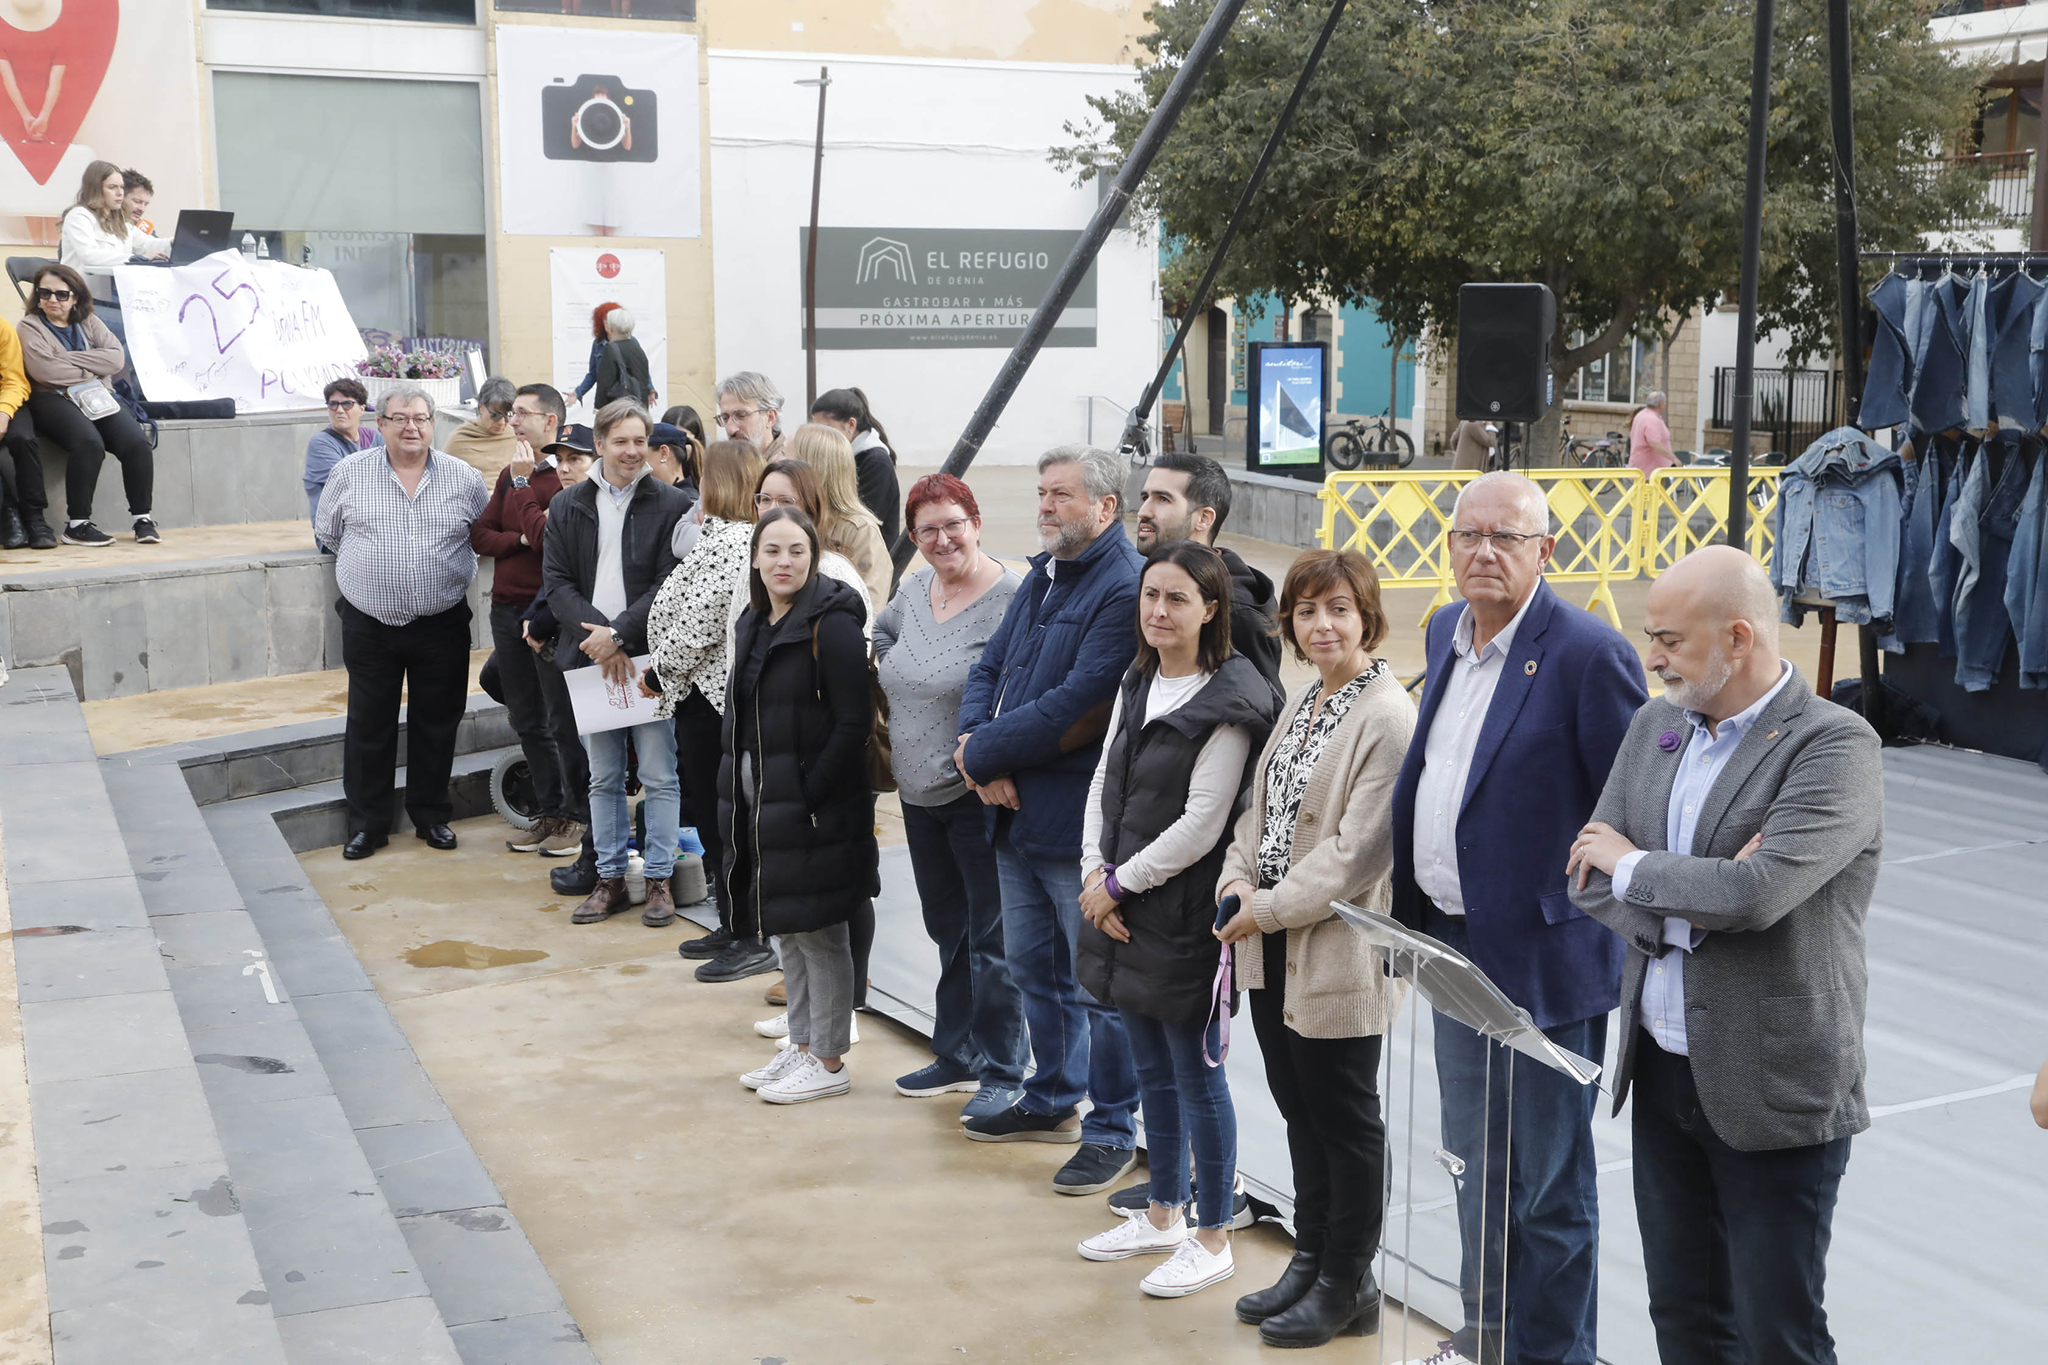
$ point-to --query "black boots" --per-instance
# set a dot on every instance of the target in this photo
(13, 532)
(1344, 1298)
(1294, 1282)
(578, 878)
(40, 536)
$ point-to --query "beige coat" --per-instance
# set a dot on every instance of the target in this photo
(1337, 986)
(50, 365)
(474, 444)
(869, 555)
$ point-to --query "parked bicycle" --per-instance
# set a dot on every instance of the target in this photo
(1377, 440)
(1590, 452)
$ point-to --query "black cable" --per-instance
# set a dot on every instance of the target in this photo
(1134, 440)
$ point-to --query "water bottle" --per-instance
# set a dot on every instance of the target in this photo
(249, 245)
(262, 248)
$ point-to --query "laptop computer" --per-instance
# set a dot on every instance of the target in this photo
(201, 232)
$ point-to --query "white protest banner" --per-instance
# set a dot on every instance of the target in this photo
(580, 279)
(266, 334)
(600, 704)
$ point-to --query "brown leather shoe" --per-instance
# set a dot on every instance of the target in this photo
(660, 908)
(776, 995)
(606, 899)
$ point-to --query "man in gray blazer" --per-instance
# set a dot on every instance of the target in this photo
(1734, 850)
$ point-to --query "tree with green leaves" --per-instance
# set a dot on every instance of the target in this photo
(1593, 146)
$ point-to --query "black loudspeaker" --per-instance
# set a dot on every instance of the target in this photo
(1504, 351)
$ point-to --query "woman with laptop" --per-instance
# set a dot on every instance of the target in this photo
(97, 231)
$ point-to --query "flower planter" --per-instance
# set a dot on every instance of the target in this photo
(447, 393)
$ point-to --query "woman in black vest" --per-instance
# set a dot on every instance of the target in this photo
(1188, 718)
(793, 795)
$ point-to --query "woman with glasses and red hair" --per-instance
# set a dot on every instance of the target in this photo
(926, 640)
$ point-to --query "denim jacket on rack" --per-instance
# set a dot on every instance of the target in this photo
(1839, 520)
(1983, 528)
(2026, 588)
(1940, 389)
(1915, 617)
(1945, 561)
(1888, 391)
(2011, 308)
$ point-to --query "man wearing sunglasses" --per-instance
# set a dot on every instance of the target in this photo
(1527, 701)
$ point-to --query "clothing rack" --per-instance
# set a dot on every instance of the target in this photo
(1995, 260)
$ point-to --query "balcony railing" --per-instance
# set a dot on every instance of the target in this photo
(2008, 181)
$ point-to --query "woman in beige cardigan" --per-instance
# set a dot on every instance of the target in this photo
(1320, 829)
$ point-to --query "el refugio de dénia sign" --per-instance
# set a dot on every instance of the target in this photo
(941, 288)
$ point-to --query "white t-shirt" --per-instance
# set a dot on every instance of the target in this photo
(1212, 790)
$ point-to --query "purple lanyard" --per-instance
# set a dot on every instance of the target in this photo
(1219, 992)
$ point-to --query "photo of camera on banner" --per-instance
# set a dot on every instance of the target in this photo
(584, 117)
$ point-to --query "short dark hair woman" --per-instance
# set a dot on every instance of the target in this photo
(1320, 828)
(344, 435)
(794, 799)
(72, 358)
(847, 411)
(1171, 781)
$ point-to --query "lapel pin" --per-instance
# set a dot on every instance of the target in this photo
(1530, 668)
(1668, 741)
(1772, 735)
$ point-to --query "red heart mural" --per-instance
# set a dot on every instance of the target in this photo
(50, 75)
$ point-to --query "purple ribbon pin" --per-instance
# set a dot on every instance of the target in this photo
(1668, 741)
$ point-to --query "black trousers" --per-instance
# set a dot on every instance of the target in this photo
(429, 659)
(1735, 1244)
(1328, 1091)
(575, 759)
(21, 464)
(86, 446)
(526, 706)
(699, 743)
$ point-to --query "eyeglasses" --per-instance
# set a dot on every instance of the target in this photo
(1504, 542)
(726, 419)
(54, 295)
(764, 501)
(951, 530)
(402, 419)
(340, 404)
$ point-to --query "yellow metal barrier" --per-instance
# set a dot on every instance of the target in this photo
(1685, 508)
(1397, 519)
(1612, 524)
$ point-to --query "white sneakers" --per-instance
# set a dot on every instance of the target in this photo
(852, 1031)
(780, 1065)
(1137, 1237)
(807, 1080)
(1192, 1267)
(1448, 1355)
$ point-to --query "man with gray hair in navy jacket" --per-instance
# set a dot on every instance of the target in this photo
(1032, 719)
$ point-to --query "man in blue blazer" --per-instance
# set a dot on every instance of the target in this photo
(1527, 701)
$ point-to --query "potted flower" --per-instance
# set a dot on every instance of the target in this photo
(386, 367)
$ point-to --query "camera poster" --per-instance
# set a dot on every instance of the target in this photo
(597, 132)
(942, 288)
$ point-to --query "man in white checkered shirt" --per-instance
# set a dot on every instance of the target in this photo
(397, 518)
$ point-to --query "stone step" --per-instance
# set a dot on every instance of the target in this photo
(355, 1103)
(154, 624)
(147, 1248)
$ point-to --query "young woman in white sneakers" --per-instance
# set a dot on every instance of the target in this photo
(1188, 718)
(794, 798)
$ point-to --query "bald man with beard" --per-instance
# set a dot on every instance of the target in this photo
(1734, 850)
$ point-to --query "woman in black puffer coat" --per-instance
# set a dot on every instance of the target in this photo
(1190, 717)
(793, 795)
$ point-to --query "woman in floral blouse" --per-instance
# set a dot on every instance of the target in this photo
(686, 634)
(1320, 828)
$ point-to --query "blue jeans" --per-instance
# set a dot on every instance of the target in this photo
(978, 1012)
(1186, 1100)
(611, 824)
(1735, 1244)
(1079, 1044)
(1553, 1262)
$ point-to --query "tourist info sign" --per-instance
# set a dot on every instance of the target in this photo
(941, 288)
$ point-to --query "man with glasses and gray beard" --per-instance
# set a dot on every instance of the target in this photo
(750, 410)
(1527, 700)
(397, 518)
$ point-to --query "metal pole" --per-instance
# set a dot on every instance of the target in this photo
(1112, 207)
(1752, 253)
(1841, 115)
(2037, 238)
(811, 250)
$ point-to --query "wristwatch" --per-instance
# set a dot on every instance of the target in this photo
(519, 481)
(618, 640)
